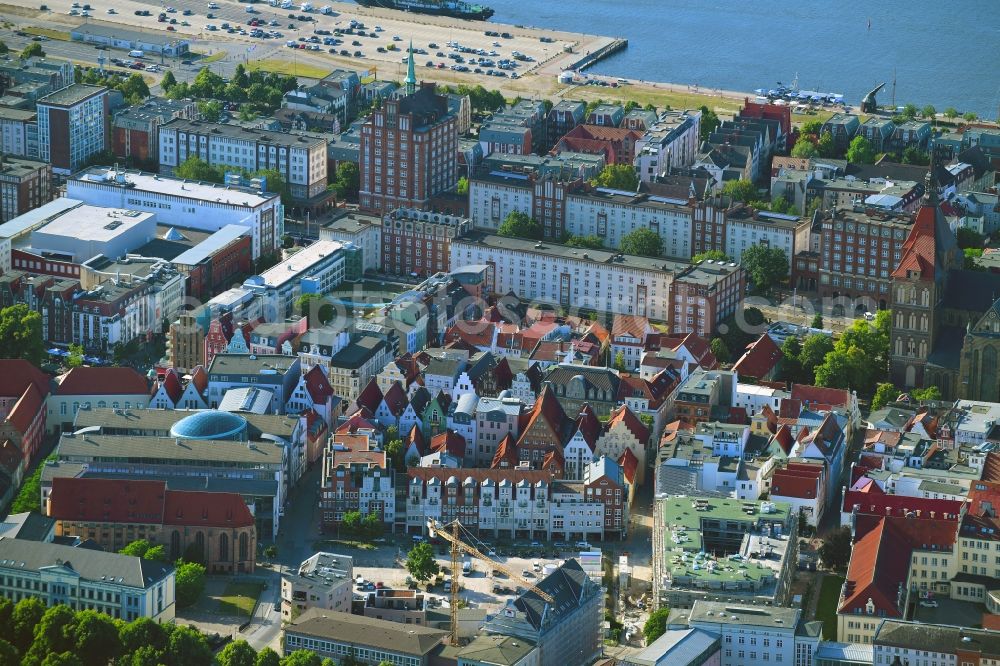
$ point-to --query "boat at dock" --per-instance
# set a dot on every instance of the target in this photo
(452, 8)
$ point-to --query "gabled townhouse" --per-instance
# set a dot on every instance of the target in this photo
(355, 478)
(624, 432)
(496, 418)
(313, 392)
(579, 450)
(462, 421)
(628, 339)
(604, 482)
(435, 416)
(803, 486)
(828, 444)
(545, 430)
(391, 407)
(414, 412)
(23, 392)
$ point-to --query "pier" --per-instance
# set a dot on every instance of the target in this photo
(592, 57)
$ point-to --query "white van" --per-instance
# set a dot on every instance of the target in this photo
(136, 53)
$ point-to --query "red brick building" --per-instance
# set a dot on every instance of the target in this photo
(23, 390)
(419, 241)
(409, 150)
(546, 429)
(615, 143)
(604, 482)
(134, 129)
(216, 529)
(213, 265)
(24, 185)
(704, 295)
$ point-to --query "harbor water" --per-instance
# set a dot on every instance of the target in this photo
(943, 53)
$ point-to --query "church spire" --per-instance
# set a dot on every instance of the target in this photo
(411, 74)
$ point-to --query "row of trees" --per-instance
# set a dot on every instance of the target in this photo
(261, 92)
(194, 168)
(813, 142)
(132, 86)
(886, 393)
(189, 575)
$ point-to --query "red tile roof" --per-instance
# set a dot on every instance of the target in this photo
(506, 453)
(629, 464)
(554, 462)
(318, 385)
(797, 480)
(588, 425)
(107, 500)
(878, 567)
(370, 396)
(26, 409)
(632, 326)
(199, 508)
(760, 358)
(627, 417)
(920, 246)
(548, 410)
(416, 438)
(356, 421)
(395, 399)
(872, 501)
(449, 441)
(816, 395)
(172, 385)
(199, 377)
(16, 374)
(102, 381)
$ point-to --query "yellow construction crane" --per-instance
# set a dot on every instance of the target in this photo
(457, 548)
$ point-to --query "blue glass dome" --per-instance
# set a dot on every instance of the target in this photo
(210, 424)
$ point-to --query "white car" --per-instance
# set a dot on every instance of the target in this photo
(929, 603)
(213, 5)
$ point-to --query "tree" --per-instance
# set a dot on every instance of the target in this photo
(462, 187)
(27, 614)
(238, 653)
(302, 658)
(740, 190)
(585, 242)
(814, 350)
(143, 632)
(766, 266)
(96, 638)
(273, 181)
(168, 81)
(197, 169)
(860, 151)
(21, 334)
(967, 238)
(519, 225)
(884, 394)
(65, 658)
(720, 350)
(351, 522)
(420, 562)
(711, 255)
(348, 181)
(32, 49)
(914, 155)
(951, 113)
(780, 204)
(394, 452)
(187, 647)
(656, 625)
(709, 123)
(835, 552)
(643, 242)
(860, 358)
(815, 204)
(6, 619)
(315, 307)
(926, 394)
(928, 111)
(189, 583)
(910, 111)
(8, 654)
(372, 525)
(790, 368)
(144, 656)
(54, 632)
(970, 116)
(75, 358)
(137, 548)
(972, 255)
(617, 177)
(620, 362)
(210, 110)
(825, 147)
(267, 657)
(134, 89)
(817, 321)
(804, 147)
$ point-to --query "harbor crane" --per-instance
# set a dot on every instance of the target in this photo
(458, 547)
(868, 103)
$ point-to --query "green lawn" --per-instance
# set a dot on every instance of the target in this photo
(218, 55)
(826, 609)
(289, 67)
(48, 32)
(239, 598)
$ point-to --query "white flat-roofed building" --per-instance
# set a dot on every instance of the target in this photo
(300, 159)
(315, 269)
(612, 214)
(187, 204)
(87, 231)
(365, 231)
(669, 144)
(746, 228)
(494, 196)
(570, 277)
(750, 635)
